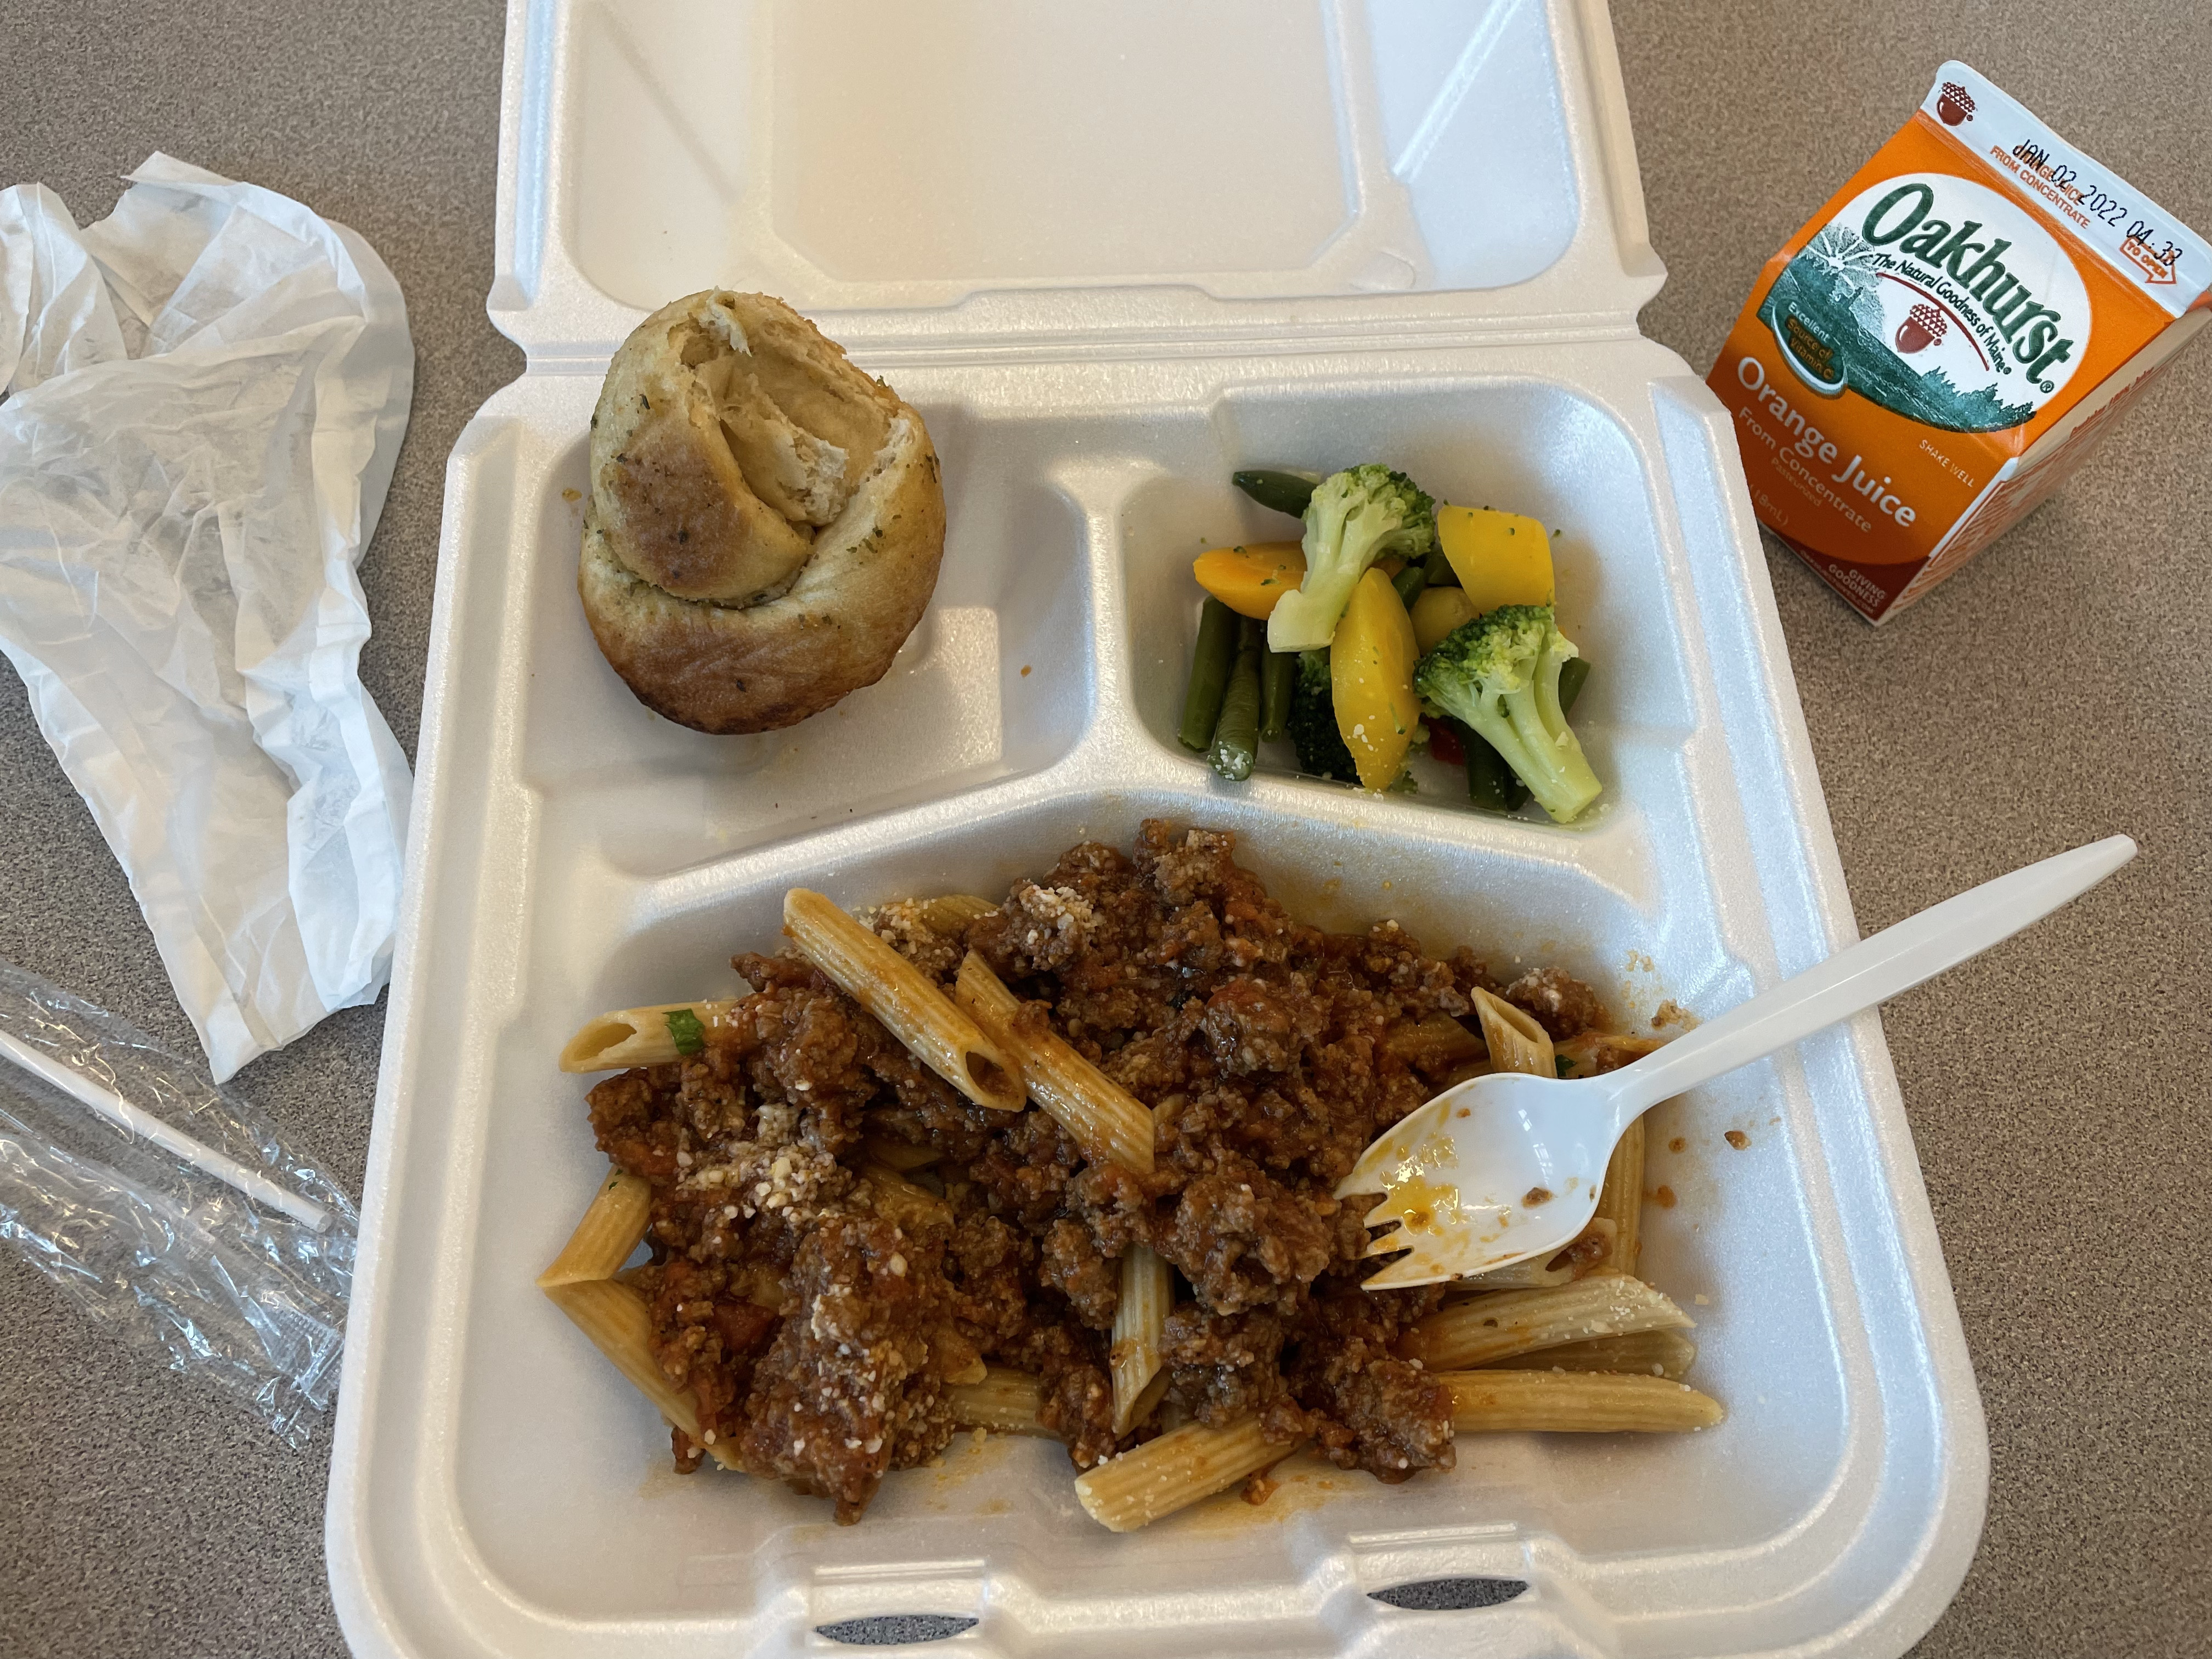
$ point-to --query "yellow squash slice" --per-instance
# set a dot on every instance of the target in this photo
(1500, 558)
(1437, 612)
(1371, 664)
(1250, 579)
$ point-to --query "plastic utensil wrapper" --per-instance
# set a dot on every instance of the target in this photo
(121, 1207)
(205, 394)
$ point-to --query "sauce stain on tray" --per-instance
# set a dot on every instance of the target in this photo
(661, 1481)
(1302, 1481)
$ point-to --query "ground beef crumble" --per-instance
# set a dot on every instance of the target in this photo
(904, 925)
(1561, 1003)
(818, 1334)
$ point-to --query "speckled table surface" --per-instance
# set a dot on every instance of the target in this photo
(2055, 691)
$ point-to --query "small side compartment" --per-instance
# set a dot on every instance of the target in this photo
(996, 682)
(1547, 449)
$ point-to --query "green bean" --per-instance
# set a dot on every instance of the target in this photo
(1573, 672)
(1489, 781)
(1409, 582)
(1278, 676)
(1286, 492)
(1236, 735)
(1209, 674)
(1441, 574)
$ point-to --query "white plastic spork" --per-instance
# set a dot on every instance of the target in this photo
(1459, 1174)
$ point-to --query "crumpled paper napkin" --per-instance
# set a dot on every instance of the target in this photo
(205, 392)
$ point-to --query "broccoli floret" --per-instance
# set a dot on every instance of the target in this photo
(1500, 674)
(1313, 722)
(1355, 517)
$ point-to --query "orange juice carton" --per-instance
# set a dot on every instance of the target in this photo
(1947, 340)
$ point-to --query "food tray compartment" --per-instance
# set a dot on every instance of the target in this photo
(1532, 447)
(993, 683)
(529, 1382)
(504, 1492)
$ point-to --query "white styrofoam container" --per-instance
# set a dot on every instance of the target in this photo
(1112, 251)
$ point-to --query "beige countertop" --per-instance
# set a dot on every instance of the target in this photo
(2055, 691)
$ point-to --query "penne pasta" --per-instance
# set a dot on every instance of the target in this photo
(910, 1006)
(614, 1316)
(1175, 1471)
(950, 915)
(1149, 1401)
(1620, 1200)
(1437, 1045)
(1110, 1124)
(898, 1154)
(1535, 1274)
(611, 1228)
(1588, 1252)
(1461, 1073)
(1004, 1402)
(1148, 1293)
(1648, 1354)
(1575, 1402)
(762, 1286)
(643, 1036)
(1516, 1041)
(1461, 1335)
(901, 1200)
(1588, 1053)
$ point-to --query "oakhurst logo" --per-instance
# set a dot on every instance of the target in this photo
(2028, 327)
(1936, 297)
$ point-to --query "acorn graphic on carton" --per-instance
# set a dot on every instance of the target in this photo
(1955, 104)
(1921, 329)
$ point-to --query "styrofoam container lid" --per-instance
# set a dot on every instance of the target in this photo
(970, 175)
(1112, 251)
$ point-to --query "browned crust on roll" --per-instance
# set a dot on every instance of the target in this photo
(721, 612)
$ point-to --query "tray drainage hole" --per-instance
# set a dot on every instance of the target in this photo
(1449, 1595)
(891, 1630)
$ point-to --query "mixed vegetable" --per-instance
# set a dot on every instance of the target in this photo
(1394, 622)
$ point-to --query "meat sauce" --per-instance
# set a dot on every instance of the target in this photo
(818, 1326)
